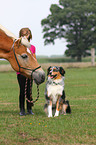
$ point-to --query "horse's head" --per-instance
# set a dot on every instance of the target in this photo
(24, 61)
(20, 58)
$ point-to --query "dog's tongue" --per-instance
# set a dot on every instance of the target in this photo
(51, 77)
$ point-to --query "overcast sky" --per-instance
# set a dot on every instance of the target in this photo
(15, 14)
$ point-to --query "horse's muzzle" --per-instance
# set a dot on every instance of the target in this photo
(38, 76)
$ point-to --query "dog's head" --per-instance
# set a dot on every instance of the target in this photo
(55, 72)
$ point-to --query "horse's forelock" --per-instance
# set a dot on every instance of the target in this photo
(25, 42)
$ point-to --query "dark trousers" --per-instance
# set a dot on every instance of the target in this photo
(22, 80)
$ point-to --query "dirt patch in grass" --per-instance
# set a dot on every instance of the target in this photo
(7, 103)
(68, 65)
(81, 85)
(7, 67)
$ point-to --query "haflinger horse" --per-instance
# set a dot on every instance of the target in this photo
(17, 52)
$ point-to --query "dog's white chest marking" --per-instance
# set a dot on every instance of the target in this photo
(54, 91)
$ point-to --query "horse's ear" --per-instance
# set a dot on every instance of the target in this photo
(18, 42)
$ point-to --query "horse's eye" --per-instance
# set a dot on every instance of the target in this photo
(24, 56)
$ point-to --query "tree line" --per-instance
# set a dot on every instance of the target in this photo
(75, 21)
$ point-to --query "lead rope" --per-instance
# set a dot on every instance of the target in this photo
(31, 98)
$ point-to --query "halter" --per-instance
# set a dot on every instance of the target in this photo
(31, 99)
(18, 62)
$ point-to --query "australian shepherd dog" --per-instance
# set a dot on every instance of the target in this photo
(54, 93)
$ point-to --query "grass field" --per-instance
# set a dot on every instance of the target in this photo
(78, 128)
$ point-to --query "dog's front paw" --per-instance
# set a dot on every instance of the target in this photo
(56, 113)
(50, 115)
(49, 111)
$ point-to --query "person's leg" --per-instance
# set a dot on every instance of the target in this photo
(21, 81)
(29, 90)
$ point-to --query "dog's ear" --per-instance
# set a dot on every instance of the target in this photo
(62, 71)
(48, 70)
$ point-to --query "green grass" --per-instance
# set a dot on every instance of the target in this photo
(74, 129)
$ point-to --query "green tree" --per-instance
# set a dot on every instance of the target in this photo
(75, 21)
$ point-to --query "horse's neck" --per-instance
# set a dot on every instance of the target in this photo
(2, 54)
(5, 45)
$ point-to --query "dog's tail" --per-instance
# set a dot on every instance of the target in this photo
(68, 110)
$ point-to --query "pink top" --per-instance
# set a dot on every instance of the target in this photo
(33, 50)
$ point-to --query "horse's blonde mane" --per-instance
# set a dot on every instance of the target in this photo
(8, 32)
(23, 41)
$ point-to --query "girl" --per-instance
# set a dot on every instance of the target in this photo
(22, 80)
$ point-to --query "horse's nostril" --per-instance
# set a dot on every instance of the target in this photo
(43, 77)
(39, 77)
